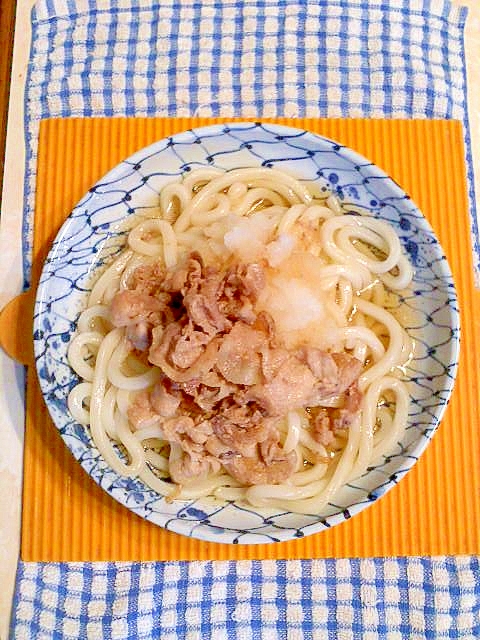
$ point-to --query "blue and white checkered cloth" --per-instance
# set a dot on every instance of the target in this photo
(250, 600)
(249, 58)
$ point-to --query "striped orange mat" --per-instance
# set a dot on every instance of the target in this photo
(434, 510)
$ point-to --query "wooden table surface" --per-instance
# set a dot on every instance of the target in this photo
(7, 21)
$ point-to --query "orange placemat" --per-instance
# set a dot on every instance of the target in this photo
(434, 510)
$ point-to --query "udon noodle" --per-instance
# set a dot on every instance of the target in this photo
(241, 345)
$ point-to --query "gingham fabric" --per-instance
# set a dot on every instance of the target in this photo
(250, 58)
(250, 600)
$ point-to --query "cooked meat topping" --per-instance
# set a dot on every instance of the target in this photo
(258, 470)
(141, 413)
(227, 381)
(288, 389)
(164, 402)
(239, 359)
(132, 307)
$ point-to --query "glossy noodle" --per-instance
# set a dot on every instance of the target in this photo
(242, 345)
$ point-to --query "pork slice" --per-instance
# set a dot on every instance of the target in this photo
(239, 438)
(266, 324)
(141, 413)
(237, 308)
(163, 344)
(242, 285)
(213, 283)
(183, 429)
(253, 279)
(188, 347)
(207, 397)
(191, 459)
(322, 364)
(139, 335)
(272, 359)
(328, 422)
(164, 402)
(201, 432)
(185, 275)
(218, 449)
(254, 470)
(176, 428)
(349, 369)
(247, 445)
(240, 412)
(192, 465)
(343, 417)
(290, 388)
(132, 307)
(148, 278)
(244, 311)
(245, 279)
(239, 355)
(190, 387)
(322, 428)
(205, 313)
(162, 339)
(201, 300)
(335, 372)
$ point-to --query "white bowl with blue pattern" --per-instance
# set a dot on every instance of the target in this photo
(132, 187)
